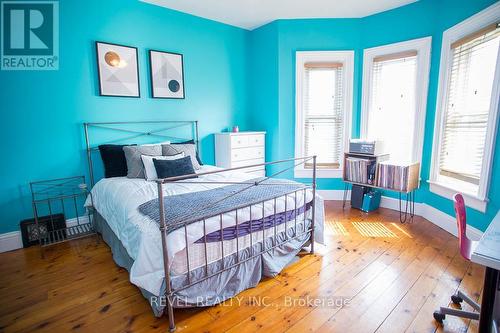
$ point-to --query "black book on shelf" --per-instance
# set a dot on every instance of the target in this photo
(372, 168)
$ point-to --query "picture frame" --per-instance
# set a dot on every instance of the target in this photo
(117, 70)
(166, 71)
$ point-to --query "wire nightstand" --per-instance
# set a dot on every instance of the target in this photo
(66, 196)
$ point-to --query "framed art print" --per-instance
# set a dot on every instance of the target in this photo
(167, 74)
(118, 70)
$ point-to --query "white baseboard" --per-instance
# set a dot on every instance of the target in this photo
(448, 222)
(10, 241)
(393, 203)
(13, 240)
(74, 221)
(333, 194)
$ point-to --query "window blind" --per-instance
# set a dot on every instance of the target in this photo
(467, 108)
(392, 103)
(323, 113)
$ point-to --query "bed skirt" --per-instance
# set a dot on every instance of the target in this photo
(221, 286)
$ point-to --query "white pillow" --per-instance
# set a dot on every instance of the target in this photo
(149, 165)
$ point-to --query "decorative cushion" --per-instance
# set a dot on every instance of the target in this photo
(133, 157)
(189, 149)
(149, 167)
(114, 161)
(172, 168)
(198, 159)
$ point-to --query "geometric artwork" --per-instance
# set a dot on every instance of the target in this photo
(167, 74)
(118, 70)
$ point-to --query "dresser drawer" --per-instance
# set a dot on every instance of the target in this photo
(258, 173)
(239, 141)
(255, 140)
(249, 162)
(236, 164)
(252, 170)
(250, 153)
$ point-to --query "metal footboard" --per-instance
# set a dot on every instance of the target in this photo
(157, 131)
(170, 291)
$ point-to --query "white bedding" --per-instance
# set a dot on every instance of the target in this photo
(117, 200)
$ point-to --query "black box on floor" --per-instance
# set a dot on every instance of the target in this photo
(29, 231)
(357, 195)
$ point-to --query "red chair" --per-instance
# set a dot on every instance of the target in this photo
(467, 246)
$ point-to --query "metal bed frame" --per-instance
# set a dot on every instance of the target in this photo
(161, 183)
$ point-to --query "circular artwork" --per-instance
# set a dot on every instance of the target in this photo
(174, 85)
(112, 59)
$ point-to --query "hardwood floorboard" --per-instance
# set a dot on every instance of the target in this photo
(391, 275)
(439, 296)
(320, 287)
(359, 292)
(402, 314)
(375, 314)
(471, 284)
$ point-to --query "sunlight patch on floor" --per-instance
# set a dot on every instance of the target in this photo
(395, 225)
(336, 229)
(373, 229)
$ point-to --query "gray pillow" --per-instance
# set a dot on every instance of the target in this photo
(188, 149)
(133, 157)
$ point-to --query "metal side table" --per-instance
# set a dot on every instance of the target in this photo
(64, 196)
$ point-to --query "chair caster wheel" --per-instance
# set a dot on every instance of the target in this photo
(456, 299)
(438, 316)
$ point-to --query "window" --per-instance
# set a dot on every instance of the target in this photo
(395, 80)
(467, 109)
(392, 96)
(323, 109)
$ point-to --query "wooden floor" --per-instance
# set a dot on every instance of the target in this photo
(390, 278)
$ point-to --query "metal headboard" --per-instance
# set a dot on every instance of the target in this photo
(124, 127)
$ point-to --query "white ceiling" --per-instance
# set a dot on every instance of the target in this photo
(250, 14)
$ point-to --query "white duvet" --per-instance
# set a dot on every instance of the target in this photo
(117, 201)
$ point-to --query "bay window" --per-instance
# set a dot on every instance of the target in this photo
(395, 83)
(467, 110)
(323, 109)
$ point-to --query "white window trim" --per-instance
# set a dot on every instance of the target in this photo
(423, 48)
(301, 57)
(474, 23)
(448, 192)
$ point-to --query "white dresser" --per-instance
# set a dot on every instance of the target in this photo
(239, 149)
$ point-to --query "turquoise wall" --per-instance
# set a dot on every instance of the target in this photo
(43, 112)
(232, 76)
(263, 88)
(420, 19)
(302, 35)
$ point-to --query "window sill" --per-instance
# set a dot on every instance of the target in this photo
(447, 191)
(320, 173)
